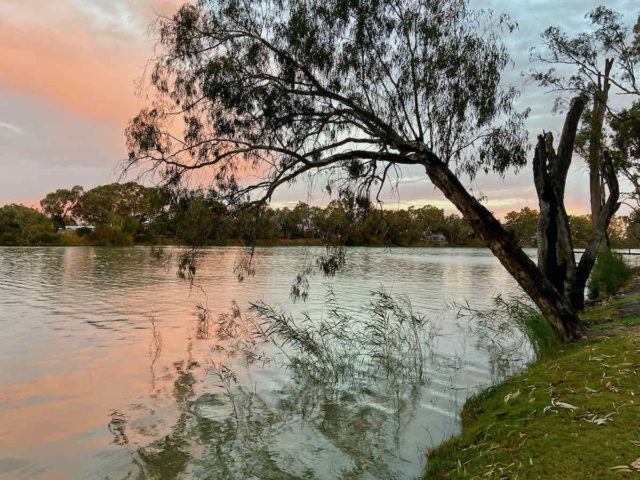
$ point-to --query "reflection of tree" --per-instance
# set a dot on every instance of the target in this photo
(155, 349)
(117, 427)
(316, 422)
(168, 457)
(242, 434)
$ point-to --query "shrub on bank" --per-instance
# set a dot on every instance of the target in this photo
(609, 274)
(504, 327)
(82, 231)
(40, 234)
(20, 225)
(72, 239)
(539, 332)
(103, 235)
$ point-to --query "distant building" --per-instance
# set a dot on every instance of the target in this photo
(437, 237)
(73, 228)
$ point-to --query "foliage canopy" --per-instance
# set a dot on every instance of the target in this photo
(284, 87)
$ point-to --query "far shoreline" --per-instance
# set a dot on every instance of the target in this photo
(257, 245)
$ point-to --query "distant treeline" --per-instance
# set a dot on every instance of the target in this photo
(130, 213)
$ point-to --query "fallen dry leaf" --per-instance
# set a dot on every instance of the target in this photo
(622, 468)
(511, 396)
(568, 406)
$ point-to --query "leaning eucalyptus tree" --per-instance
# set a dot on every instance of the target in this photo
(593, 65)
(358, 89)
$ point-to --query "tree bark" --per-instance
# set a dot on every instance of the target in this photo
(598, 112)
(598, 235)
(562, 318)
(556, 259)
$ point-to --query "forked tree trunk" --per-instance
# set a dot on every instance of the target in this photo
(555, 250)
(562, 318)
(556, 259)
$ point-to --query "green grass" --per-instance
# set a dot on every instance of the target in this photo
(540, 334)
(628, 321)
(622, 301)
(608, 314)
(519, 437)
(599, 313)
(604, 313)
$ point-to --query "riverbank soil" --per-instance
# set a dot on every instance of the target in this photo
(575, 415)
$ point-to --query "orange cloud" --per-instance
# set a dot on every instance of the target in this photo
(79, 55)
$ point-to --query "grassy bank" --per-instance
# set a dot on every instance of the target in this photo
(572, 415)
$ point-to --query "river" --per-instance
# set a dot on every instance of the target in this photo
(106, 371)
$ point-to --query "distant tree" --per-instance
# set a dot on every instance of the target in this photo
(581, 228)
(430, 218)
(60, 204)
(20, 225)
(617, 232)
(196, 225)
(633, 228)
(125, 205)
(625, 136)
(524, 223)
(303, 213)
(290, 222)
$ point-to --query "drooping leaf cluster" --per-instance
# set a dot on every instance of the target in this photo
(284, 87)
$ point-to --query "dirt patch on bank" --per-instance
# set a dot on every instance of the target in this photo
(618, 315)
(631, 332)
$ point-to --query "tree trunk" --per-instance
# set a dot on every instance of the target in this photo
(556, 259)
(600, 227)
(562, 318)
(600, 99)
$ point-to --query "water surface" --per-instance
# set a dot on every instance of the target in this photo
(105, 372)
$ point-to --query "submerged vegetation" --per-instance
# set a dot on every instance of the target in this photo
(386, 338)
(509, 326)
(354, 382)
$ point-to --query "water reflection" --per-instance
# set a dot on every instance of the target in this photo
(107, 370)
(303, 430)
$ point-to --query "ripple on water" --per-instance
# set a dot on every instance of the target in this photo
(104, 372)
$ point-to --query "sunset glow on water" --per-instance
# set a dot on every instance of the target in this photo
(88, 391)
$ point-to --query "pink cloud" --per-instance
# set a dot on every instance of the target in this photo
(81, 55)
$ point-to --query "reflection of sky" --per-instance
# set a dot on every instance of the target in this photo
(67, 89)
(76, 350)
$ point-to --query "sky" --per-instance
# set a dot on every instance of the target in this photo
(69, 76)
